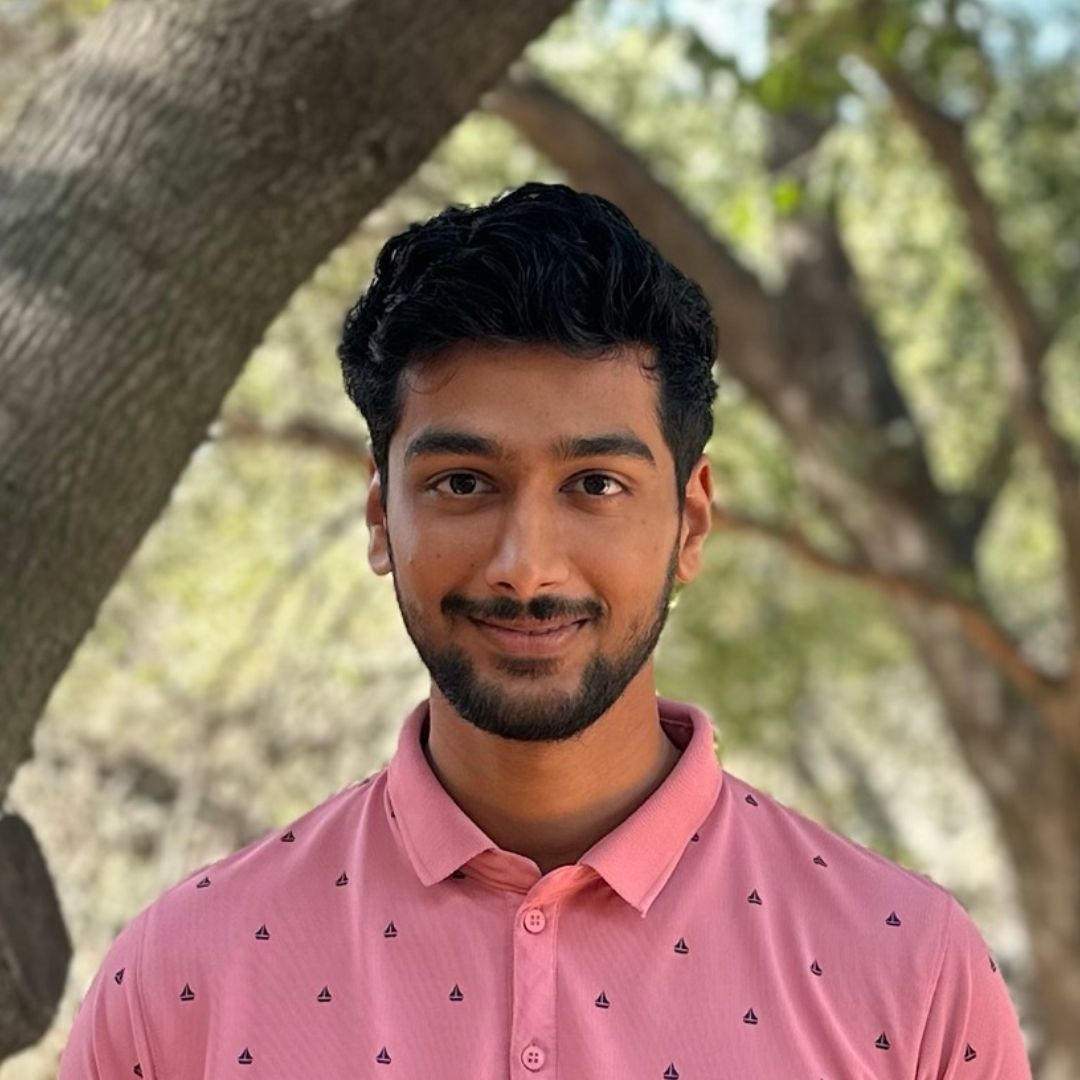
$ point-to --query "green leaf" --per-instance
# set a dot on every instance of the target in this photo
(787, 196)
(892, 32)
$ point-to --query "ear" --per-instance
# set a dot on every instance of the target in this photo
(697, 520)
(378, 549)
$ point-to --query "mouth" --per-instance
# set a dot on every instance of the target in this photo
(531, 629)
(510, 639)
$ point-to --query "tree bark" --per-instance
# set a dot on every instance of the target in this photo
(1015, 723)
(173, 179)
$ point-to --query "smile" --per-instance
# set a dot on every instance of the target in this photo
(528, 641)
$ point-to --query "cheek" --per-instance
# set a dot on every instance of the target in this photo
(434, 559)
(638, 542)
(623, 564)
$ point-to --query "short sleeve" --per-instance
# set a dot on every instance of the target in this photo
(972, 1031)
(108, 1037)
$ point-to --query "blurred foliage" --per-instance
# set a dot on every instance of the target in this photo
(249, 664)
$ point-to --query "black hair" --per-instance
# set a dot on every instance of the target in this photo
(539, 264)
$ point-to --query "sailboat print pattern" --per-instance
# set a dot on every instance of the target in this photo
(383, 1057)
(433, 947)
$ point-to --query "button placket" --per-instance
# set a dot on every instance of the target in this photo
(534, 989)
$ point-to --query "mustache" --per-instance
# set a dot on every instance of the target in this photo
(507, 609)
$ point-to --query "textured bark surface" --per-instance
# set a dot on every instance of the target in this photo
(171, 182)
(810, 355)
(34, 946)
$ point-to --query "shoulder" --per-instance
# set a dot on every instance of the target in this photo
(207, 903)
(889, 919)
(199, 941)
(196, 927)
(184, 946)
(904, 948)
(782, 833)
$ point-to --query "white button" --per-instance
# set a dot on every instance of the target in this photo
(532, 1057)
(535, 920)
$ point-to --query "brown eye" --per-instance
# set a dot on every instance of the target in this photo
(596, 484)
(459, 484)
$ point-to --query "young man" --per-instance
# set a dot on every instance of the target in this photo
(553, 877)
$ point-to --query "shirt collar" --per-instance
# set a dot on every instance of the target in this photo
(636, 858)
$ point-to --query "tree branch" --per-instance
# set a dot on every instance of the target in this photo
(1027, 339)
(944, 138)
(305, 431)
(977, 624)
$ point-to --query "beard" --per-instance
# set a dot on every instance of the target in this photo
(526, 711)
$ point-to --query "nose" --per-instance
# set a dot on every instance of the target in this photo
(529, 553)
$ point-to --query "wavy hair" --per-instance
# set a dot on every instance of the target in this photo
(539, 264)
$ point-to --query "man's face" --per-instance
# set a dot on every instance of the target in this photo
(531, 536)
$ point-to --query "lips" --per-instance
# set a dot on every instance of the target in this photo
(531, 629)
(549, 642)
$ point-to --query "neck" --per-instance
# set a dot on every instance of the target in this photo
(551, 802)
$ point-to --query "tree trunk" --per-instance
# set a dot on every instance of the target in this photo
(164, 190)
(1032, 788)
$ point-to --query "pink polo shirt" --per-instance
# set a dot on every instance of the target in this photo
(715, 934)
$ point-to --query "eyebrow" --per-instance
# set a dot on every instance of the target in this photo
(432, 441)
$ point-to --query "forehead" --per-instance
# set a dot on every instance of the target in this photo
(527, 396)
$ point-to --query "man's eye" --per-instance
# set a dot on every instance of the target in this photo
(459, 484)
(595, 484)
